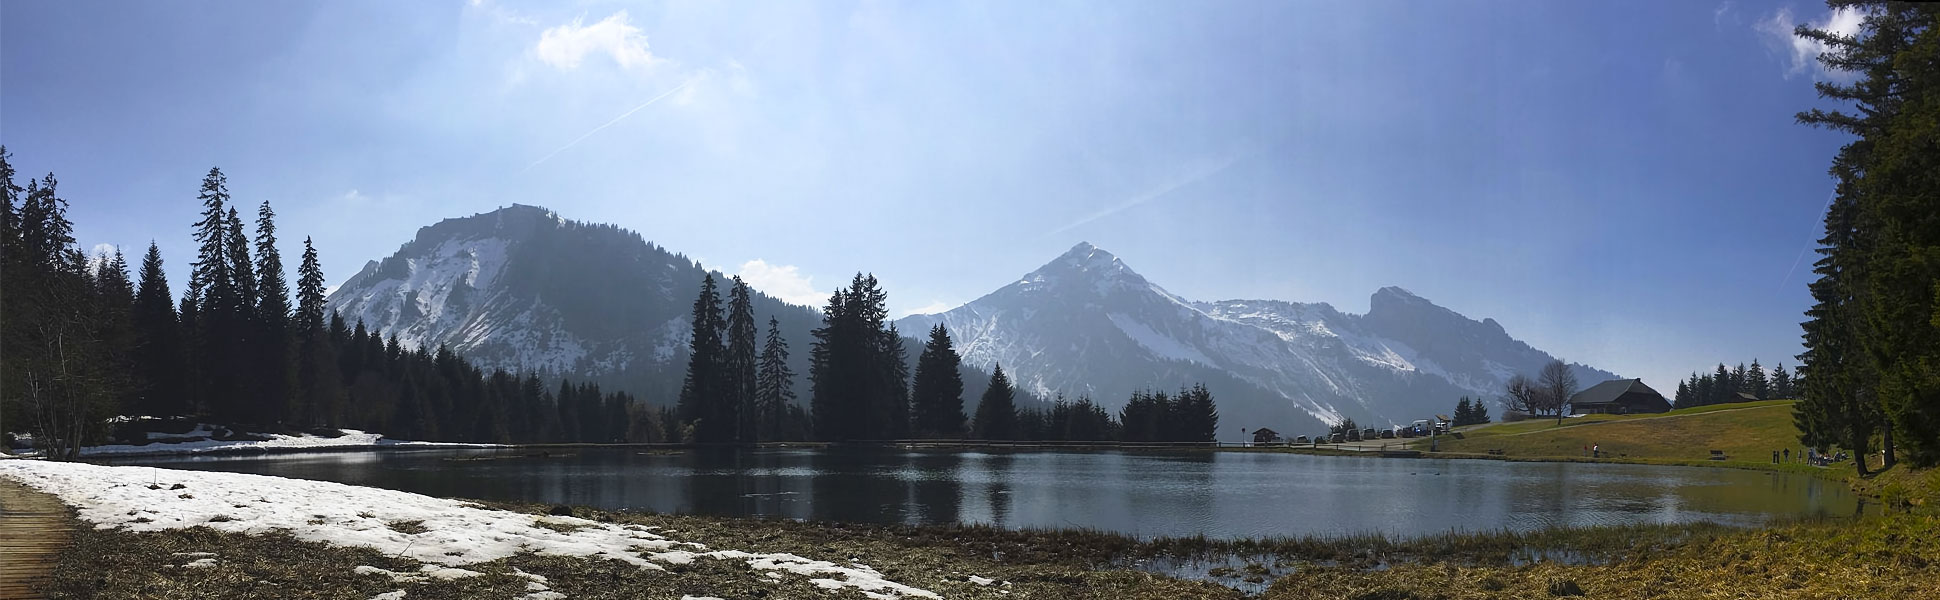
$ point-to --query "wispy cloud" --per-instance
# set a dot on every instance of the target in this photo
(1155, 193)
(566, 46)
(502, 14)
(609, 123)
(782, 281)
(1802, 54)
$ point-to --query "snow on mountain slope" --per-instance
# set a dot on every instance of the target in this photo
(443, 293)
(522, 289)
(1087, 324)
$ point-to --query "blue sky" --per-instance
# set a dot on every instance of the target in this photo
(1619, 183)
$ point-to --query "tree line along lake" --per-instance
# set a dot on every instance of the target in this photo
(1227, 495)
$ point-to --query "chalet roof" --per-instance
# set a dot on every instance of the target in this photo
(1609, 391)
(1264, 430)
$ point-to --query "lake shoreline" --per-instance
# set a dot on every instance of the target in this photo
(974, 561)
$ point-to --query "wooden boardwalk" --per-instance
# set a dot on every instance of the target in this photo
(34, 527)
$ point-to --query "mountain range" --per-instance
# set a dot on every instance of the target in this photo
(523, 289)
(1087, 324)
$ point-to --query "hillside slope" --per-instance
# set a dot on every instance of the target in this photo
(1747, 432)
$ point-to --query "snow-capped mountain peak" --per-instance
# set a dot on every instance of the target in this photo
(1087, 324)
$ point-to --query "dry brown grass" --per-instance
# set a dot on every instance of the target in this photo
(1897, 556)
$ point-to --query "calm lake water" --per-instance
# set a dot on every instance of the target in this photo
(1218, 494)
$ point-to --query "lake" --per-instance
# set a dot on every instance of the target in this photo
(1141, 493)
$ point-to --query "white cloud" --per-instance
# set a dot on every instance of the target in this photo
(1802, 53)
(782, 281)
(567, 45)
(100, 254)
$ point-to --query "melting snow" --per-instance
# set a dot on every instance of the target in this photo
(350, 439)
(455, 533)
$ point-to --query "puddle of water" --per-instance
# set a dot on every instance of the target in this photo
(1530, 556)
(1250, 574)
(1253, 573)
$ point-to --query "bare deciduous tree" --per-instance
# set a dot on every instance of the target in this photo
(1556, 384)
(1520, 395)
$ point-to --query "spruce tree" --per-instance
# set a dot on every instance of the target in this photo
(892, 366)
(1142, 417)
(1887, 177)
(275, 374)
(317, 380)
(704, 400)
(1461, 411)
(241, 267)
(858, 389)
(1199, 415)
(1755, 380)
(218, 305)
(1781, 384)
(775, 390)
(308, 320)
(112, 313)
(937, 397)
(158, 350)
(740, 366)
(1836, 407)
(997, 410)
(827, 371)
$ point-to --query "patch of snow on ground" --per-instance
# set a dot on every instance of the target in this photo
(455, 533)
(350, 439)
(981, 580)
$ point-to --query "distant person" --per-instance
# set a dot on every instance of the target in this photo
(1596, 451)
(1788, 455)
(1774, 457)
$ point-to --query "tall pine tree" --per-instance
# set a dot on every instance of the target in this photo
(319, 387)
(159, 349)
(1756, 383)
(997, 410)
(705, 400)
(276, 385)
(775, 388)
(219, 312)
(937, 397)
(740, 367)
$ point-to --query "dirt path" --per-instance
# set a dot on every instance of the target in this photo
(33, 530)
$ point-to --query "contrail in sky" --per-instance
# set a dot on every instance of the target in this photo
(1154, 194)
(609, 124)
(1808, 245)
